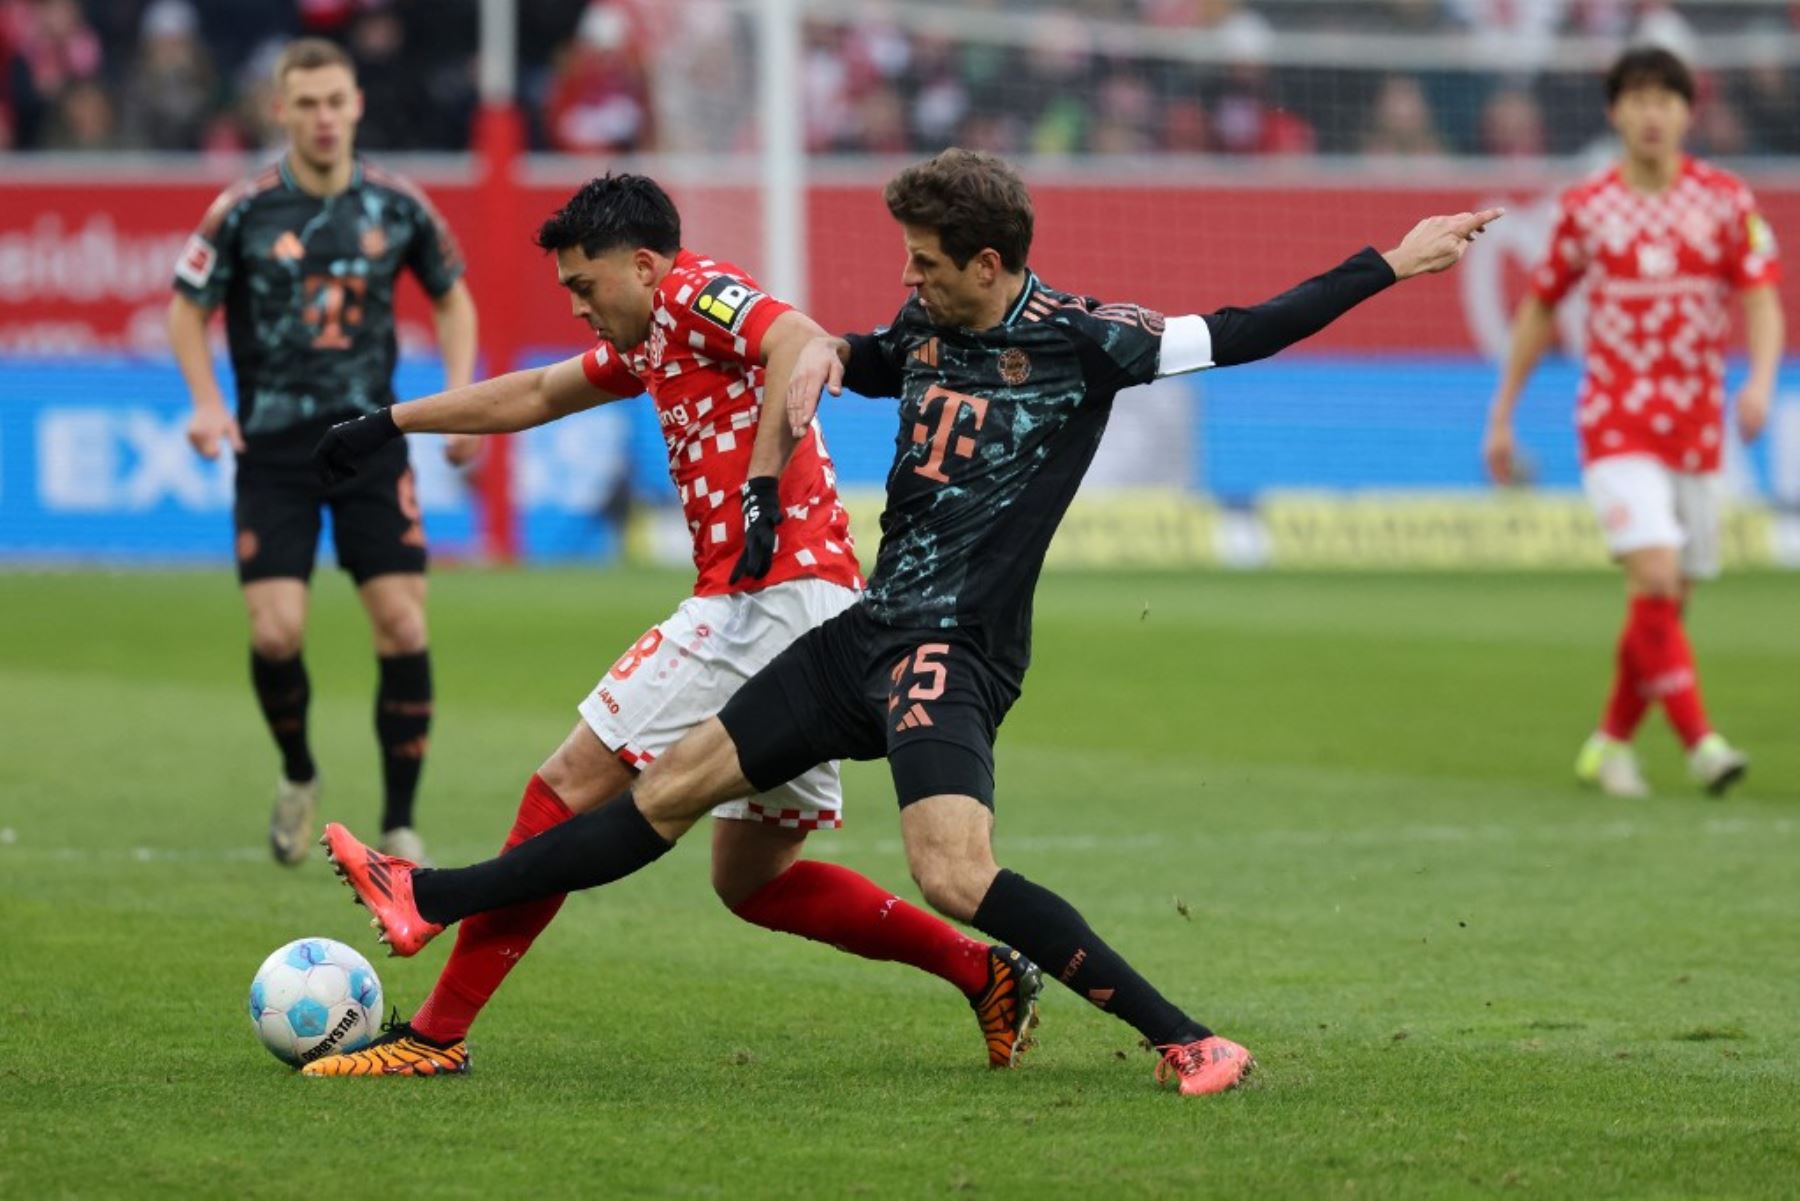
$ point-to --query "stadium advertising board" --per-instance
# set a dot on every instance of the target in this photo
(1358, 449)
(86, 265)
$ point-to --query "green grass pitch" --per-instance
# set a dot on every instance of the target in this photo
(1330, 814)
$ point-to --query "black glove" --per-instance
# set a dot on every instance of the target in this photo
(762, 513)
(348, 443)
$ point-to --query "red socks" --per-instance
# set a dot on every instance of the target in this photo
(1656, 664)
(821, 901)
(835, 905)
(488, 944)
(1626, 706)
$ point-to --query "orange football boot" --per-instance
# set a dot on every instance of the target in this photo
(1210, 1065)
(383, 884)
(399, 1051)
(1007, 1007)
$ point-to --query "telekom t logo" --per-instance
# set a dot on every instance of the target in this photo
(964, 446)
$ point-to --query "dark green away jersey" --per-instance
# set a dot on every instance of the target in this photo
(997, 428)
(308, 288)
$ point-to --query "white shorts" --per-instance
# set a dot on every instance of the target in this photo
(682, 672)
(1641, 502)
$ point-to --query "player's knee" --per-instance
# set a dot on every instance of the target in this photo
(734, 883)
(695, 774)
(673, 791)
(401, 633)
(952, 887)
(276, 640)
(748, 856)
(1655, 572)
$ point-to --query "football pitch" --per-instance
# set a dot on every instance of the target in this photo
(1330, 814)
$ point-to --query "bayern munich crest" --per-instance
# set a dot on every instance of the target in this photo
(1015, 366)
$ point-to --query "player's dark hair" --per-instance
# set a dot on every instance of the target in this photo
(974, 200)
(309, 54)
(614, 211)
(1649, 67)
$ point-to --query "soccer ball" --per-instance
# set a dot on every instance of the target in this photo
(312, 998)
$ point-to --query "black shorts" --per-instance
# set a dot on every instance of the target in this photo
(928, 701)
(375, 521)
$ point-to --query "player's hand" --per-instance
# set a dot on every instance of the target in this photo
(1438, 243)
(346, 444)
(818, 369)
(462, 449)
(210, 426)
(1752, 410)
(762, 513)
(1500, 452)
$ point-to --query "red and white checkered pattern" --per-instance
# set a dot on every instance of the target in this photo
(684, 669)
(796, 819)
(706, 379)
(1660, 272)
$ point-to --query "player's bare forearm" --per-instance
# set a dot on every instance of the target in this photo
(454, 315)
(1533, 329)
(519, 400)
(781, 347)
(213, 424)
(1765, 331)
(187, 338)
(819, 369)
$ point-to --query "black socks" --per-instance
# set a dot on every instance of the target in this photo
(1047, 928)
(402, 723)
(283, 691)
(590, 849)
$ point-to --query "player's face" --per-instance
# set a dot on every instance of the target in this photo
(612, 292)
(951, 295)
(1651, 120)
(319, 108)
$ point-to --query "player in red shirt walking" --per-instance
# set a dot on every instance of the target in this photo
(701, 338)
(1662, 241)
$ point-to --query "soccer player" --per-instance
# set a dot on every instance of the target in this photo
(1005, 385)
(305, 258)
(701, 337)
(1661, 241)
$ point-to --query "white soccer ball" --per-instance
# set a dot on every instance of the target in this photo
(312, 998)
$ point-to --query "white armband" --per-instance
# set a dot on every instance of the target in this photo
(1186, 346)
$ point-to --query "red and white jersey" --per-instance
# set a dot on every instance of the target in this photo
(701, 366)
(1660, 271)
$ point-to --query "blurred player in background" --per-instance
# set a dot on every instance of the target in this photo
(1662, 241)
(1005, 385)
(701, 338)
(305, 258)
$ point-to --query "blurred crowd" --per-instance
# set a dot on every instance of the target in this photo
(618, 76)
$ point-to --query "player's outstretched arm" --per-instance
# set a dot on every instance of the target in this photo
(1243, 335)
(1438, 243)
(1533, 330)
(519, 400)
(212, 422)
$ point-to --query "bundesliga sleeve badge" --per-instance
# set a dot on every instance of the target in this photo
(195, 266)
